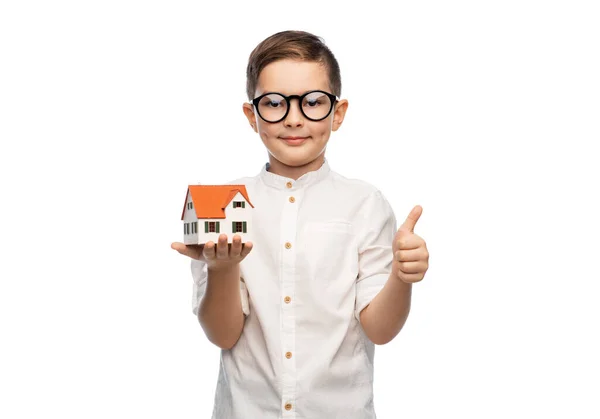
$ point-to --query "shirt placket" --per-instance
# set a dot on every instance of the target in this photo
(292, 198)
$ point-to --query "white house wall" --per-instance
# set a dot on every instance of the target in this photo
(189, 216)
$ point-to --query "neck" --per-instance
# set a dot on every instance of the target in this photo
(294, 172)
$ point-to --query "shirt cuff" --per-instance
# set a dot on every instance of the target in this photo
(366, 290)
(245, 298)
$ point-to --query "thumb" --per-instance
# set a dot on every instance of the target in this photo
(411, 220)
(193, 251)
(181, 248)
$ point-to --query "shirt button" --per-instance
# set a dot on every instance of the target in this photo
(288, 245)
(288, 355)
(289, 184)
(288, 406)
(287, 300)
(292, 199)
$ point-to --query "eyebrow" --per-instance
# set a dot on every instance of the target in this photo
(285, 94)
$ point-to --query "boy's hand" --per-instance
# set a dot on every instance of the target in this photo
(223, 255)
(411, 257)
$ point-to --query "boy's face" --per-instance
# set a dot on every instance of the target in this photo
(294, 158)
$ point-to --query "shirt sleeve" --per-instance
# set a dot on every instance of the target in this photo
(376, 231)
(200, 275)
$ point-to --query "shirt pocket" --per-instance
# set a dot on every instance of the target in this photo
(330, 252)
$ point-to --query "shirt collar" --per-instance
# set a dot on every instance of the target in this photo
(282, 182)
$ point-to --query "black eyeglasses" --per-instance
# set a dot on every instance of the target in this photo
(316, 105)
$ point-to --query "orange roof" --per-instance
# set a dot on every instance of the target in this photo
(210, 200)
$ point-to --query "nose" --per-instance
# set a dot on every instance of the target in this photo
(294, 117)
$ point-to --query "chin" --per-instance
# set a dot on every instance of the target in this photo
(292, 162)
(296, 161)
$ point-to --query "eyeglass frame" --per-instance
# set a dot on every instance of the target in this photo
(333, 99)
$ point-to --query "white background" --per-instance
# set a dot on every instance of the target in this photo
(485, 113)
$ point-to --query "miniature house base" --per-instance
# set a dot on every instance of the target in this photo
(212, 210)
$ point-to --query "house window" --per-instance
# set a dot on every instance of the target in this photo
(211, 227)
(239, 204)
(239, 227)
(189, 206)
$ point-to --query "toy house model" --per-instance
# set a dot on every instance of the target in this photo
(212, 210)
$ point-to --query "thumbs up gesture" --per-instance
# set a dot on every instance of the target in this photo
(411, 258)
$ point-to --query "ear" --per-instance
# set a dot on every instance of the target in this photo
(248, 109)
(338, 114)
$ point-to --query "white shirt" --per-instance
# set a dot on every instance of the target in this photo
(317, 260)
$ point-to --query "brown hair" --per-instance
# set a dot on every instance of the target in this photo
(295, 45)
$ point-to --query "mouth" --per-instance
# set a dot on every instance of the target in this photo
(294, 140)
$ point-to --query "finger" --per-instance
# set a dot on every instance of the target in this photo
(411, 220)
(236, 246)
(412, 255)
(409, 241)
(246, 248)
(410, 278)
(209, 250)
(222, 247)
(412, 267)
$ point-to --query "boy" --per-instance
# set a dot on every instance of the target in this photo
(298, 310)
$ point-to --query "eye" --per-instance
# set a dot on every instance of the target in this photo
(273, 101)
(313, 102)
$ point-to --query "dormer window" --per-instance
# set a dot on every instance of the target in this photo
(239, 204)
